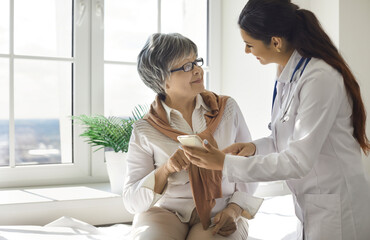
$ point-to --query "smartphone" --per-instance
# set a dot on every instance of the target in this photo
(190, 140)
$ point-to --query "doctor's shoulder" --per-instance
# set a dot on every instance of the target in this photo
(324, 75)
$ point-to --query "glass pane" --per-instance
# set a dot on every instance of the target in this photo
(4, 26)
(123, 90)
(188, 17)
(43, 27)
(4, 112)
(127, 26)
(42, 103)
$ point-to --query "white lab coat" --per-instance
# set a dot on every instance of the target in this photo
(316, 153)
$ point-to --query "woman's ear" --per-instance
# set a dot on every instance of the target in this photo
(166, 85)
(277, 43)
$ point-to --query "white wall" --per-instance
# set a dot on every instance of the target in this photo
(328, 14)
(243, 77)
(249, 82)
(354, 44)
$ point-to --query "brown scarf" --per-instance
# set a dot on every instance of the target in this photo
(205, 184)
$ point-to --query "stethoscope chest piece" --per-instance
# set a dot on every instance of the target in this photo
(285, 119)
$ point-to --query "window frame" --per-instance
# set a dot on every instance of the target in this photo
(78, 170)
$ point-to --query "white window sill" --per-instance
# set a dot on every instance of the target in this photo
(91, 203)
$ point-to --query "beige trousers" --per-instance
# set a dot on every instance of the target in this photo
(161, 224)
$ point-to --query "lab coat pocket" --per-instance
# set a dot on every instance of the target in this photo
(322, 218)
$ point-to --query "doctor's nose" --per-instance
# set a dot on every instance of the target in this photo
(247, 49)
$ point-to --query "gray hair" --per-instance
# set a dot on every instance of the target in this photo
(158, 56)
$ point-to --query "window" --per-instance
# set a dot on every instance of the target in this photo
(36, 59)
(68, 57)
(139, 19)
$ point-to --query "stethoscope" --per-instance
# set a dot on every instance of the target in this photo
(284, 117)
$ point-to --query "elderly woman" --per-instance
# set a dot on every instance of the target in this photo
(170, 197)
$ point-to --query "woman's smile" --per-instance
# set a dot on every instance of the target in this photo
(200, 80)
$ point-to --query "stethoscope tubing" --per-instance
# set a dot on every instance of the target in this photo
(284, 118)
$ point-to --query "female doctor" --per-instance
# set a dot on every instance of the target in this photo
(318, 125)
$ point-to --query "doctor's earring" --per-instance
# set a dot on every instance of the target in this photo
(278, 50)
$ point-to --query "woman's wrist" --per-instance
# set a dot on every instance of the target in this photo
(236, 209)
(161, 175)
(166, 171)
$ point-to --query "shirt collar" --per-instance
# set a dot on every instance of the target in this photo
(287, 72)
(199, 103)
(168, 110)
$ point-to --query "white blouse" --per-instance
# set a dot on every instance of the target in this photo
(149, 149)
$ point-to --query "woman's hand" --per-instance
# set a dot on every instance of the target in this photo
(177, 162)
(226, 220)
(209, 157)
(241, 149)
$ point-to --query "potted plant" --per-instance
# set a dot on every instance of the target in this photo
(112, 134)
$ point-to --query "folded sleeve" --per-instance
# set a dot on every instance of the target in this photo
(250, 204)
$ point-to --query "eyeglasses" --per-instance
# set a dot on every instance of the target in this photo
(189, 66)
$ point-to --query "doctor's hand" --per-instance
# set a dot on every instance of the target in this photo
(226, 220)
(241, 149)
(208, 157)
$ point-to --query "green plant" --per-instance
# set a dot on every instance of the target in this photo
(109, 132)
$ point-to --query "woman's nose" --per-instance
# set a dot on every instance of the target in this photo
(247, 50)
(197, 69)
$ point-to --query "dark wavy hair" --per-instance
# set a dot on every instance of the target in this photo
(263, 19)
